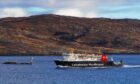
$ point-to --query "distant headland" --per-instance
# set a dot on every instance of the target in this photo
(53, 34)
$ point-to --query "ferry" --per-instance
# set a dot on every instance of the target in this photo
(87, 60)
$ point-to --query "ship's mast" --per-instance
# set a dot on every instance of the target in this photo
(99, 52)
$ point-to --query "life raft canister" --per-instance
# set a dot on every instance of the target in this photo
(104, 58)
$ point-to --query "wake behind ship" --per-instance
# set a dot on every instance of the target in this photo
(86, 60)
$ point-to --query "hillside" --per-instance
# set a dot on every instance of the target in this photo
(43, 34)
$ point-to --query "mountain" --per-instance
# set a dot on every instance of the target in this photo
(45, 34)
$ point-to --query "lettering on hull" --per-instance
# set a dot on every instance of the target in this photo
(90, 64)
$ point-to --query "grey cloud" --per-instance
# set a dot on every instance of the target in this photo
(58, 3)
(87, 7)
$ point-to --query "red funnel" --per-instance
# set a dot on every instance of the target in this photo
(104, 58)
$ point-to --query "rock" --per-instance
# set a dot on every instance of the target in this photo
(10, 62)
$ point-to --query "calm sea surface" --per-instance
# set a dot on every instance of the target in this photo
(44, 71)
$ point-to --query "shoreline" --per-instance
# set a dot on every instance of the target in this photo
(62, 55)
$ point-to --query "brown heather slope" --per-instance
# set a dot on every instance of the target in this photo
(43, 34)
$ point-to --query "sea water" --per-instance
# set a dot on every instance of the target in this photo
(44, 71)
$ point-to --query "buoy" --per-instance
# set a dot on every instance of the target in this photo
(104, 58)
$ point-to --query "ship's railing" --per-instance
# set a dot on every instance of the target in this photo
(77, 57)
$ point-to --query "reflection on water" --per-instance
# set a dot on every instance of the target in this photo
(131, 66)
(44, 71)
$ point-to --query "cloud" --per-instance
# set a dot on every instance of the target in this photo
(12, 12)
(75, 12)
(114, 2)
(79, 8)
(83, 8)
(69, 12)
(37, 9)
(91, 14)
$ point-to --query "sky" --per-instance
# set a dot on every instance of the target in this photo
(78, 8)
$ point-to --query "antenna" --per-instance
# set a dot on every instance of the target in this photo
(99, 52)
(71, 50)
